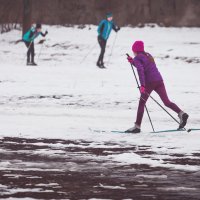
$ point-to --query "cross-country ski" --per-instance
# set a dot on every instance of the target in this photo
(161, 131)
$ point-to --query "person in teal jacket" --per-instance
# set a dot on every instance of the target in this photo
(104, 29)
(29, 38)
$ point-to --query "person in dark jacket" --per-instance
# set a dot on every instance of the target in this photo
(29, 38)
(150, 80)
(104, 29)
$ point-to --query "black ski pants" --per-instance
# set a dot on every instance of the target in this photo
(102, 44)
(31, 51)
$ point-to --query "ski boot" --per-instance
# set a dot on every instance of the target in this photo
(33, 64)
(29, 63)
(100, 64)
(103, 66)
(135, 129)
(183, 119)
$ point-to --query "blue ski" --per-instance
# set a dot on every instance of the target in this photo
(163, 131)
(103, 131)
(176, 130)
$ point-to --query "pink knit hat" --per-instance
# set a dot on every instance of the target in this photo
(138, 46)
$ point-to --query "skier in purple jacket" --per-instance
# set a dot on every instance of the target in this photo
(150, 80)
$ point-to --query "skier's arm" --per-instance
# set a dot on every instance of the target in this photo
(115, 28)
(44, 34)
(140, 69)
(31, 36)
(100, 27)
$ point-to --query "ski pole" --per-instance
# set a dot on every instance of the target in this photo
(46, 32)
(90, 51)
(139, 89)
(40, 51)
(112, 49)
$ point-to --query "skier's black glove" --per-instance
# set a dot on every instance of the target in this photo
(117, 29)
(41, 42)
(46, 32)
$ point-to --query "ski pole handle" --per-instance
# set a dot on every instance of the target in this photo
(127, 55)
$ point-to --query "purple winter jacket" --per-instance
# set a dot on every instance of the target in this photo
(146, 68)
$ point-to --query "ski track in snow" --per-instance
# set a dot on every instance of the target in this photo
(48, 114)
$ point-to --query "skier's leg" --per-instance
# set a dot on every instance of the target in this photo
(160, 89)
(99, 41)
(28, 52)
(140, 111)
(143, 99)
(103, 50)
(102, 44)
(32, 49)
(163, 95)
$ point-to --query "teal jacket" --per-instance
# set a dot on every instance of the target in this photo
(105, 27)
(31, 34)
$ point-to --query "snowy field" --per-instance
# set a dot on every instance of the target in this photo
(49, 113)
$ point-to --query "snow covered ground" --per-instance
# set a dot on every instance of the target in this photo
(65, 98)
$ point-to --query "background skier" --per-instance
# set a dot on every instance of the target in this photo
(104, 29)
(150, 80)
(29, 38)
